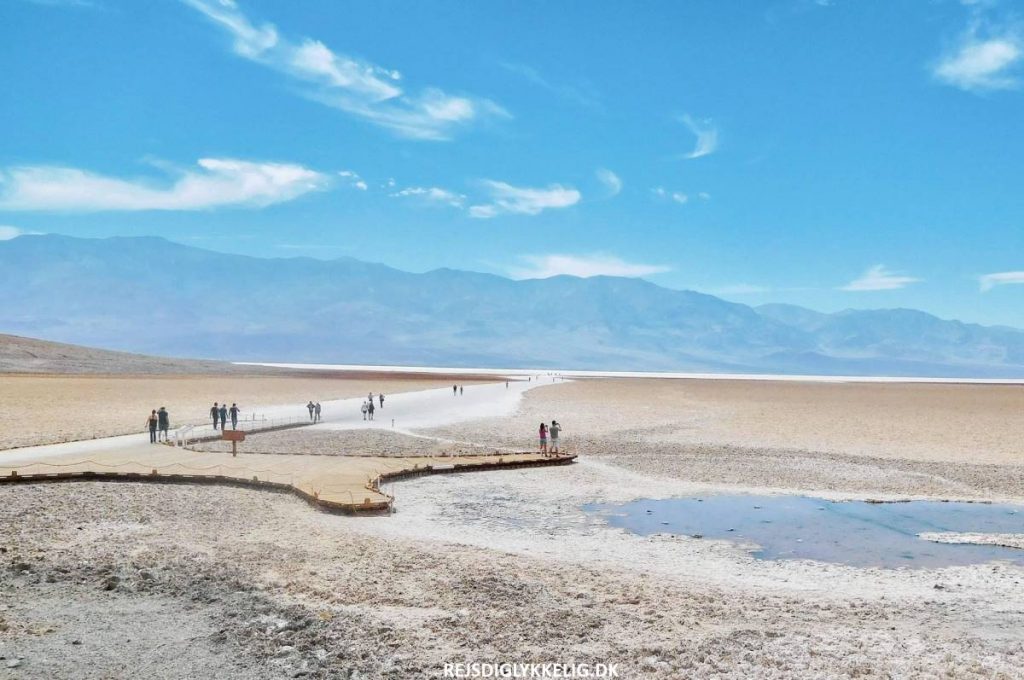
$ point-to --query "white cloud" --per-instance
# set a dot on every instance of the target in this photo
(218, 182)
(358, 87)
(978, 64)
(354, 179)
(706, 133)
(7, 232)
(582, 95)
(676, 196)
(704, 196)
(611, 181)
(433, 195)
(544, 266)
(990, 281)
(506, 198)
(879, 278)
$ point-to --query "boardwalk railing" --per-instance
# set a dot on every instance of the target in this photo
(196, 433)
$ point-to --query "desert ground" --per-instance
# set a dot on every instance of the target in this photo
(123, 579)
(45, 409)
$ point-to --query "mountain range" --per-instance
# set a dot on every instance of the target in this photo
(147, 294)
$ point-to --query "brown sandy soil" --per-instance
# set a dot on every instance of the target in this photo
(945, 440)
(319, 442)
(265, 587)
(45, 409)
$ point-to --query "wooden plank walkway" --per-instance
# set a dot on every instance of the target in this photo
(336, 483)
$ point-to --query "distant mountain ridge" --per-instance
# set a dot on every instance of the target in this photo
(150, 295)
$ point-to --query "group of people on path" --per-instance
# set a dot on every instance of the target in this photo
(314, 411)
(220, 412)
(158, 422)
(551, 433)
(368, 407)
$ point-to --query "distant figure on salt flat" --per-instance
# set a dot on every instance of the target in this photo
(543, 438)
(506, 384)
(316, 412)
(554, 430)
(223, 416)
(310, 407)
(164, 420)
(455, 390)
(381, 397)
(369, 409)
(152, 423)
(215, 413)
(461, 388)
(365, 410)
(234, 410)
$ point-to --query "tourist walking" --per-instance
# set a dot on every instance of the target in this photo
(223, 416)
(365, 410)
(152, 422)
(311, 407)
(455, 390)
(316, 412)
(543, 438)
(381, 397)
(460, 389)
(234, 410)
(369, 408)
(554, 430)
(164, 421)
(215, 414)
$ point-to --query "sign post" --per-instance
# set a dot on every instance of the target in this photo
(233, 436)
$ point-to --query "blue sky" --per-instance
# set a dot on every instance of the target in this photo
(829, 154)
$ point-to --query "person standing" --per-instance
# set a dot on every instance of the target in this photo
(215, 414)
(554, 430)
(223, 416)
(543, 438)
(152, 421)
(455, 390)
(365, 410)
(316, 412)
(164, 421)
(461, 388)
(381, 397)
(310, 407)
(369, 409)
(234, 415)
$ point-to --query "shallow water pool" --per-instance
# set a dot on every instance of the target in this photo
(855, 533)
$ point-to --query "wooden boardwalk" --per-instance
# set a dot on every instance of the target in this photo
(336, 483)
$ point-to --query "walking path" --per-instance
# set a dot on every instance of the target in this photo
(333, 482)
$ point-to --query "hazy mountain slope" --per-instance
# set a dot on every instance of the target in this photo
(150, 295)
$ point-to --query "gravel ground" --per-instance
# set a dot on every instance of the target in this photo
(265, 587)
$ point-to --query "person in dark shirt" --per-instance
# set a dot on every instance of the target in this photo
(164, 421)
(381, 400)
(223, 416)
(215, 414)
(234, 415)
(152, 421)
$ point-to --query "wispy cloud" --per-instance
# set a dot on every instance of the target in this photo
(879, 278)
(611, 181)
(584, 266)
(217, 182)
(740, 289)
(353, 179)
(434, 195)
(7, 232)
(675, 196)
(356, 86)
(577, 94)
(990, 281)
(706, 134)
(980, 62)
(505, 198)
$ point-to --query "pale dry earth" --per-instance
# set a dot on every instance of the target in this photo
(508, 567)
(320, 442)
(46, 409)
